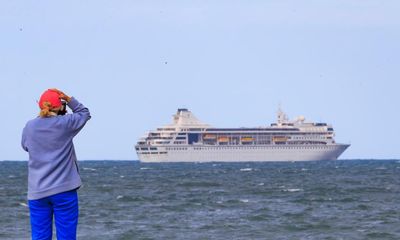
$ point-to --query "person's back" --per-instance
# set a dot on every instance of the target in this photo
(53, 171)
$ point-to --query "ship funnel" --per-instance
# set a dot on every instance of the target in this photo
(185, 118)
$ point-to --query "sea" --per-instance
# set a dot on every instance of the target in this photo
(343, 199)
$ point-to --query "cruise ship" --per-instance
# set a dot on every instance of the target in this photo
(189, 140)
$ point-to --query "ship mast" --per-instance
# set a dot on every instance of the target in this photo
(281, 117)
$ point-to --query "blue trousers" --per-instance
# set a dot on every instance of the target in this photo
(64, 207)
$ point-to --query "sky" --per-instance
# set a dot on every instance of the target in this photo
(232, 63)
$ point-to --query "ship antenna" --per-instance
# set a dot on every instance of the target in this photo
(281, 115)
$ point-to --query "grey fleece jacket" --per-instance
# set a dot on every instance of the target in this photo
(52, 166)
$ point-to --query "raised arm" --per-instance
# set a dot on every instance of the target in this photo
(80, 114)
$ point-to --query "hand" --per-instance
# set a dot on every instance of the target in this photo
(62, 95)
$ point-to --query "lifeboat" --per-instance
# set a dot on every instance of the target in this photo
(279, 139)
(223, 139)
(209, 137)
(247, 139)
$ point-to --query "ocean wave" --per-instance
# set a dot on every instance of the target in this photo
(246, 169)
(380, 168)
(145, 168)
(293, 190)
(89, 169)
(119, 196)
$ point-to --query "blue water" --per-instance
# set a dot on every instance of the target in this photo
(304, 200)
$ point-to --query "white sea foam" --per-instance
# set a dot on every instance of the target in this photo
(23, 204)
(122, 176)
(304, 169)
(145, 168)
(293, 190)
(119, 196)
(246, 169)
(261, 184)
(89, 169)
(244, 200)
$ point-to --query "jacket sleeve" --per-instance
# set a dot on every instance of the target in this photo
(23, 140)
(80, 115)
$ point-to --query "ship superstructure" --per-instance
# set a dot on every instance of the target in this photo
(189, 140)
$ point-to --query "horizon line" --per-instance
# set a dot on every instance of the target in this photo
(137, 160)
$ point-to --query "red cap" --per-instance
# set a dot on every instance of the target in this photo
(52, 97)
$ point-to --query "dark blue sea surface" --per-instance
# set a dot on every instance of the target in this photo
(347, 199)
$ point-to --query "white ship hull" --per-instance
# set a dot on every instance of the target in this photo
(192, 153)
(189, 140)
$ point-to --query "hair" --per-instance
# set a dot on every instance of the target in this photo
(46, 110)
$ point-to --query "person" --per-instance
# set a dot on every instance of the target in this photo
(53, 175)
